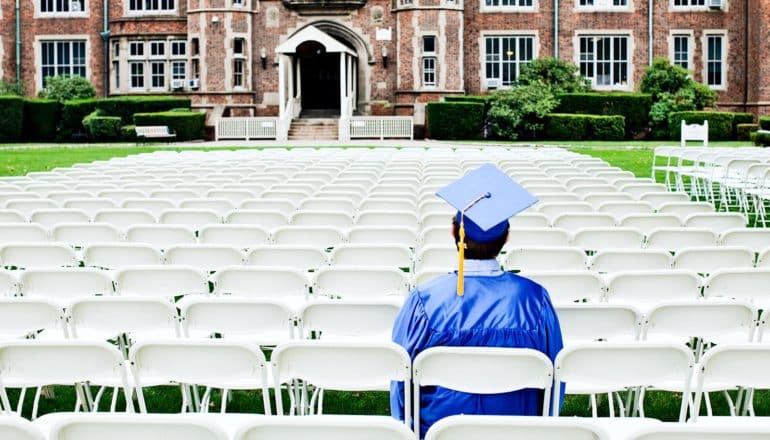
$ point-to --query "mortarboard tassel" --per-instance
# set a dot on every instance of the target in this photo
(461, 262)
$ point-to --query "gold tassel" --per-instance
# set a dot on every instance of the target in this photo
(461, 262)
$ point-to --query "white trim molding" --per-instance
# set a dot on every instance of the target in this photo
(483, 8)
(630, 51)
(725, 59)
(604, 6)
(690, 45)
(38, 54)
(535, 35)
(83, 12)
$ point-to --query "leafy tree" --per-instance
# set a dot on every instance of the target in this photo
(68, 87)
(560, 75)
(521, 110)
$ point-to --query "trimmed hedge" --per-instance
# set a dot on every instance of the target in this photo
(126, 106)
(11, 118)
(128, 133)
(634, 107)
(764, 122)
(455, 120)
(72, 116)
(743, 131)
(102, 128)
(41, 119)
(741, 118)
(761, 139)
(560, 126)
(483, 99)
(187, 126)
(720, 123)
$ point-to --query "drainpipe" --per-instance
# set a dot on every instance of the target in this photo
(556, 28)
(105, 34)
(18, 42)
(746, 56)
(650, 33)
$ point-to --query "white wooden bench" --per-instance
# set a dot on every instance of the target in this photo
(154, 132)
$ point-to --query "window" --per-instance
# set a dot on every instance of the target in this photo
(136, 48)
(429, 71)
(62, 6)
(681, 51)
(157, 49)
(116, 49)
(715, 60)
(238, 72)
(153, 64)
(238, 3)
(509, 3)
(137, 75)
(686, 3)
(196, 69)
(605, 60)
(178, 48)
(178, 70)
(428, 44)
(504, 57)
(603, 3)
(239, 46)
(151, 6)
(157, 74)
(62, 58)
(116, 70)
(195, 46)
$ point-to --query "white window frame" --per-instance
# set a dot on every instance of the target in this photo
(512, 6)
(82, 13)
(142, 75)
(242, 74)
(58, 64)
(137, 44)
(679, 33)
(673, 7)
(624, 33)
(175, 44)
(162, 76)
(128, 11)
(705, 57)
(517, 63)
(603, 6)
(426, 70)
(175, 75)
(152, 44)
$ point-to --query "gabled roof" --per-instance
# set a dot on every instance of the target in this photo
(312, 33)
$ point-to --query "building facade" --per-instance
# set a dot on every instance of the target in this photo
(379, 57)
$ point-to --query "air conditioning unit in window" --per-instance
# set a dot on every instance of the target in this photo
(194, 83)
(75, 6)
(493, 83)
(716, 4)
(177, 84)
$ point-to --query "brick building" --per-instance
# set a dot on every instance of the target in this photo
(259, 57)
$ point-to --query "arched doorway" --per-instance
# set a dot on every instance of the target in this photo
(320, 79)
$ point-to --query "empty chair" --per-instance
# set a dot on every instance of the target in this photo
(89, 426)
(209, 257)
(387, 218)
(27, 206)
(153, 206)
(318, 236)
(241, 236)
(256, 320)
(529, 220)
(553, 210)
(273, 283)
(124, 218)
(637, 190)
(570, 286)
(644, 289)
(675, 239)
(597, 198)
(386, 204)
(200, 189)
(82, 234)
(192, 218)
(545, 259)
(359, 282)
(303, 258)
(285, 207)
(327, 427)
(597, 239)
(479, 370)
(235, 195)
(556, 198)
(349, 319)
(213, 363)
(742, 284)
(296, 197)
(120, 255)
(437, 236)
(18, 428)
(580, 220)
(11, 216)
(339, 365)
(90, 205)
(29, 255)
(161, 236)
(685, 209)
(161, 281)
(524, 237)
(436, 257)
(705, 260)
(61, 285)
(344, 206)
(9, 284)
(718, 222)
(48, 218)
(616, 260)
(107, 317)
(742, 428)
(756, 239)
(658, 199)
(646, 223)
(22, 318)
(607, 367)
(321, 218)
(715, 321)
(584, 323)
(119, 195)
(267, 220)
(175, 196)
(622, 209)
(399, 235)
(22, 233)
(220, 206)
(372, 255)
(519, 427)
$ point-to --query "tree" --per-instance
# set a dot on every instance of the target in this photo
(521, 110)
(68, 87)
(561, 76)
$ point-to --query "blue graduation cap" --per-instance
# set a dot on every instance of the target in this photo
(485, 199)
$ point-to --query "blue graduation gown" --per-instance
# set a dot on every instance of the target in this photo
(499, 309)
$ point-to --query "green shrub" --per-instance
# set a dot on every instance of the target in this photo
(128, 133)
(187, 126)
(11, 118)
(521, 111)
(72, 116)
(455, 120)
(126, 106)
(11, 88)
(720, 124)
(483, 99)
(102, 128)
(634, 107)
(41, 119)
(562, 76)
(68, 87)
(743, 131)
(584, 127)
(761, 139)
(741, 118)
(764, 122)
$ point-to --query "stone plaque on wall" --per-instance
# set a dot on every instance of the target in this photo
(272, 16)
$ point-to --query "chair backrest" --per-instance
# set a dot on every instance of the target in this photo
(529, 220)
(685, 209)
(124, 218)
(161, 281)
(90, 205)
(387, 218)
(648, 288)
(545, 259)
(335, 219)
(624, 208)
(566, 287)
(658, 199)
(88, 426)
(598, 239)
(330, 204)
(400, 235)
(349, 319)
(359, 282)
(192, 218)
(676, 239)
(35, 255)
(578, 220)
(161, 236)
(521, 237)
(705, 431)
(18, 428)
(582, 323)
(518, 427)
(713, 321)
(48, 218)
(285, 207)
(705, 260)
(615, 260)
(261, 282)
(756, 239)
(321, 237)
(718, 221)
(646, 223)
(23, 317)
(241, 236)
(22, 233)
(209, 257)
(108, 316)
(299, 257)
(11, 216)
(82, 234)
(63, 284)
(695, 132)
(745, 284)
(220, 206)
(372, 255)
(325, 427)
(153, 206)
(121, 255)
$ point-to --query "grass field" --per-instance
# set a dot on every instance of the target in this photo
(664, 406)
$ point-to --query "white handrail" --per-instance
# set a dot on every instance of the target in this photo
(381, 127)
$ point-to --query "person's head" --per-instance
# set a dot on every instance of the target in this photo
(485, 249)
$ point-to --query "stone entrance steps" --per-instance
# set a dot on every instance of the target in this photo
(314, 129)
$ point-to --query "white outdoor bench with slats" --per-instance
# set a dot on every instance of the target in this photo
(154, 132)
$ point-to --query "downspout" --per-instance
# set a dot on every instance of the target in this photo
(556, 28)
(18, 42)
(105, 34)
(650, 33)
(746, 56)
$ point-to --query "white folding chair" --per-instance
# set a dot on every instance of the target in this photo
(209, 257)
(529, 220)
(553, 210)
(153, 206)
(388, 218)
(676, 239)
(756, 239)
(268, 282)
(705, 260)
(83, 234)
(582, 323)
(108, 317)
(160, 281)
(303, 258)
(256, 320)
(714, 322)
(598, 239)
(193, 218)
(220, 206)
(519, 427)
(372, 255)
(386, 204)
(26, 206)
(340, 366)
(285, 207)
(121, 255)
(135, 426)
(160, 236)
(647, 288)
(685, 209)
(481, 370)
(523, 237)
(437, 236)
(580, 220)
(335, 219)
(383, 235)
(22, 233)
(597, 198)
(241, 236)
(320, 237)
(213, 363)
(30, 255)
(359, 282)
(608, 367)
(62, 285)
(90, 205)
(622, 209)
(544, 259)
(370, 320)
(636, 190)
(9, 284)
(119, 195)
(234, 195)
(568, 287)
(647, 223)
(340, 205)
(124, 218)
(742, 284)
(48, 218)
(327, 427)
(22, 318)
(723, 431)
(18, 428)
(11, 216)
(615, 260)
(718, 222)
(658, 199)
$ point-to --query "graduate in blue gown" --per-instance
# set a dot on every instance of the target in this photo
(479, 305)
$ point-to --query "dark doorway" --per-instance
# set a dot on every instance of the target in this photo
(320, 77)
